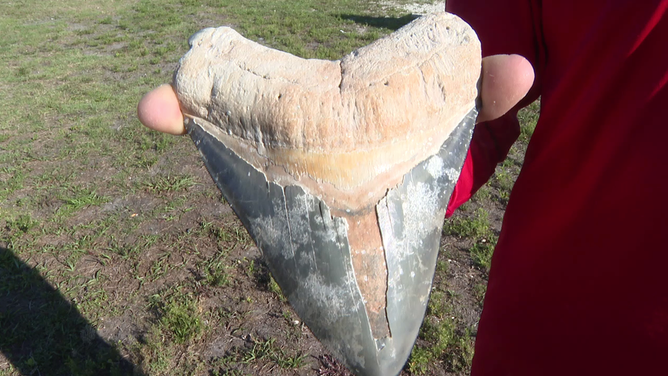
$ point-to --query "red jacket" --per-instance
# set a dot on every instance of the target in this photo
(579, 278)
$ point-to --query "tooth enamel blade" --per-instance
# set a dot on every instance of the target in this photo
(308, 252)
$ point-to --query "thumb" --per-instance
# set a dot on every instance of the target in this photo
(160, 111)
(506, 79)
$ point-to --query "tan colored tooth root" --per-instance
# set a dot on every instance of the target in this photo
(346, 130)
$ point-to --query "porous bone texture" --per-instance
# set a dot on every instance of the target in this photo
(346, 130)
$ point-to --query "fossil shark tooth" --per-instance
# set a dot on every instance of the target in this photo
(341, 171)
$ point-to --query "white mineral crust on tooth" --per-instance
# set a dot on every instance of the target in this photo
(346, 130)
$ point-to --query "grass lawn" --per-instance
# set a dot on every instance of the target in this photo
(117, 254)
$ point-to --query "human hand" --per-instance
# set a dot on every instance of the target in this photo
(505, 81)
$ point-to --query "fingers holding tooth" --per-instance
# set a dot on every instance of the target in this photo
(160, 111)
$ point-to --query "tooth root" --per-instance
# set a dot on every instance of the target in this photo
(345, 130)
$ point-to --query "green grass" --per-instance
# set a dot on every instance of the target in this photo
(477, 229)
(80, 198)
(447, 344)
(179, 315)
(215, 270)
(164, 184)
(23, 223)
(276, 289)
(528, 118)
(266, 351)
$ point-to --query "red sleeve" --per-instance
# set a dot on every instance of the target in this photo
(503, 27)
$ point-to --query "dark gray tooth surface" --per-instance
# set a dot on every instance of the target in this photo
(307, 248)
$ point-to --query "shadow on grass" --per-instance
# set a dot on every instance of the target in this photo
(391, 23)
(41, 333)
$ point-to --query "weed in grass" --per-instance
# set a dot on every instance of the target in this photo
(260, 350)
(504, 196)
(80, 245)
(276, 289)
(179, 315)
(476, 228)
(250, 269)
(232, 233)
(94, 304)
(164, 184)
(216, 275)
(267, 350)
(241, 236)
(156, 353)
(290, 362)
(481, 253)
(528, 118)
(288, 317)
(503, 179)
(23, 71)
(447, 346)
(420, 361)
(80, 198)
(23, 223)
(483, 194)
(156, 141)
(14, 182)
(215, 271)
(441, 267)
(126, 251)
(146, 161)
(159, 268)
(479, 290)
(330, 366)
(438, 305)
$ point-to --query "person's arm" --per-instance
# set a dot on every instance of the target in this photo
(503, 27)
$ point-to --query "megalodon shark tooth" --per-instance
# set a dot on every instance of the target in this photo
(341, 171)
